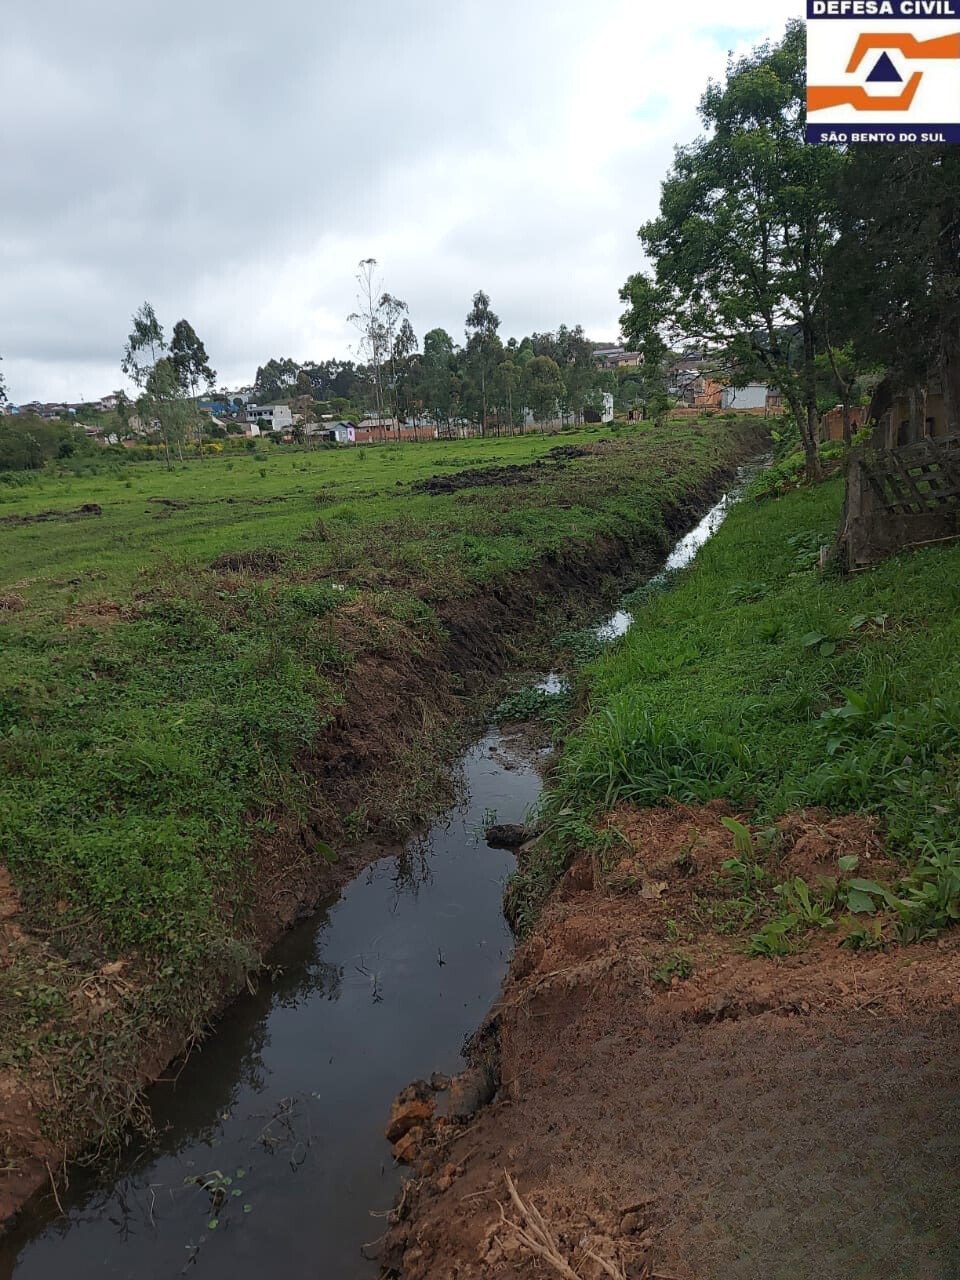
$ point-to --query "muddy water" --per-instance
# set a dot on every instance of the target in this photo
(289, 1097)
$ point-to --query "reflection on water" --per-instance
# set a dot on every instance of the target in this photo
(682, 554)
(289, 1097)
(615, 627)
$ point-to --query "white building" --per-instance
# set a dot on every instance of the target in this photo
(752, 397)
(606, 412)
(270, 417)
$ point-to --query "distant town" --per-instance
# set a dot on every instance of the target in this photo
(693, 381)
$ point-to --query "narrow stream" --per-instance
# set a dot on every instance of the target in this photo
(289, 1097)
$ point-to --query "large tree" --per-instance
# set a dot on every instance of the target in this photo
(189, 358)
(145, 345)
(145, 362)
(894, 276)
(484, 351)
(369, 324)
(746, 219)
(191, 365)
(275, 380)
(440, 381)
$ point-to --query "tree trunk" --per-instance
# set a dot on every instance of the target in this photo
(880, 405)
(950, 378)
(810, 421)
(811, 443)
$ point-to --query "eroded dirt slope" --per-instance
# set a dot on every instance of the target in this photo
(759, 1120)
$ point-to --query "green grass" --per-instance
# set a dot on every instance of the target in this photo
(161, 707)
(757, 680)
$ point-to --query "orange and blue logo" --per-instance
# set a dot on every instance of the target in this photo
(883, 71)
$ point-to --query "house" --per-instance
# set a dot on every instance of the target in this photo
(831, 423)
(213, 405)
(339, 433)
(617, 358)
(269, 417)
(707, 393)
(607, 356)
(751, 398)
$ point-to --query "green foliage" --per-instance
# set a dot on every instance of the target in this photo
(729, 268)
(627, 753)
(805, 906)
(533, 704)
(673, 966)
(820, 691)
(28, 443)
(777, 938)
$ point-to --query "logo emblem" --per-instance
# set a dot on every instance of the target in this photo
(873, 79)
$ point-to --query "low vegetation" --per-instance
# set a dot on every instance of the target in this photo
(758, 680)
(214, 678)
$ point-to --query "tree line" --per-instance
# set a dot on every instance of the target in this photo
(798, 264)
(485, 381)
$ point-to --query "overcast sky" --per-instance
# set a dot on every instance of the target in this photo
(232, 160)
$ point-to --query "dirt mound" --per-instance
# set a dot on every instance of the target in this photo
(264, 561)
(100, 613)
(78, 513)
(481, 477)
(512, 474)
(760, 1120)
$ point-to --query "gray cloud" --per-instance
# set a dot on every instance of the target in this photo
(233, 161)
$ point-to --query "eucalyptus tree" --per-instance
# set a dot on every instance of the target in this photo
(508, 387)
(191, 364)
(483, 349)
(145, 345)
(275, 379)
(144, 354)
(369, 324)
(164, 402)
(399, 342)
(542, 388)
(403, 348)
(440, 381)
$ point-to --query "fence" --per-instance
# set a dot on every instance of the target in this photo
(899, 498)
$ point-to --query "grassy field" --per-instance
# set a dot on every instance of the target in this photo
(244, 501)
(174, 666)
(757, 680)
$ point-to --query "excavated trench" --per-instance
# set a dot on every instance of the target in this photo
(270, 1155)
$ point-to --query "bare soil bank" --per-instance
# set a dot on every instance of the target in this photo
(755, 1120)
(396, 718)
